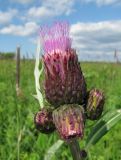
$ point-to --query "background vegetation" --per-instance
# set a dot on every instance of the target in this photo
(8, 55)
(18, 136)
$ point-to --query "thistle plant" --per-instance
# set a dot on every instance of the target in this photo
(70, 104)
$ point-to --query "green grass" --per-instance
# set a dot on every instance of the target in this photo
(18, 136)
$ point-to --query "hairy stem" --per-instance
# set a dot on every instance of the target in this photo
(75, 149)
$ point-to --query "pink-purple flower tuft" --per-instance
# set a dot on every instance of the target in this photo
(55, 38)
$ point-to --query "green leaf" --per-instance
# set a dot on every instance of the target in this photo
(37, 74)
(102, 127)
(50, 153)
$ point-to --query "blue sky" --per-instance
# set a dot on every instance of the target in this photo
(95, 25)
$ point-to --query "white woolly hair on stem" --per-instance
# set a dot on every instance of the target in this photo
(37, 74)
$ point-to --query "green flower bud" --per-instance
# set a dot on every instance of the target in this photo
(95, 104)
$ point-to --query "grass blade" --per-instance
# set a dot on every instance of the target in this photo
(102, 127)
(50, 153)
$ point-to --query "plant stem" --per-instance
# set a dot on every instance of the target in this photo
(75, 149)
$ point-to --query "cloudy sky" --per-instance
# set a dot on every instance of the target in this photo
(95, 25)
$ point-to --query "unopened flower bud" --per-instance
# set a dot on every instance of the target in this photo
(64, 80)
(95, 104)
(83, 154)
(69, 121)
(44, 121)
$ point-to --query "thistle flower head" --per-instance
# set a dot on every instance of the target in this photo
(64, 81)
(69, 121)
(95, 104)
(43, 121)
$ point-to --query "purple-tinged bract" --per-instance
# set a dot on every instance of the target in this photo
(64, 81)
(44, 121)
(69, 121)
(95, 104)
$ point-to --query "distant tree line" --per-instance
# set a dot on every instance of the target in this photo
(7, 55)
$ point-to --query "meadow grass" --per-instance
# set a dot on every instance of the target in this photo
(18, 137)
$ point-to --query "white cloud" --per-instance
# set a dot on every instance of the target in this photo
(39, 12)
(22, 1)
(102, 2)
(20, 30)
(6, 17)
(60, 7)
(96, 39)
(51, 8)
